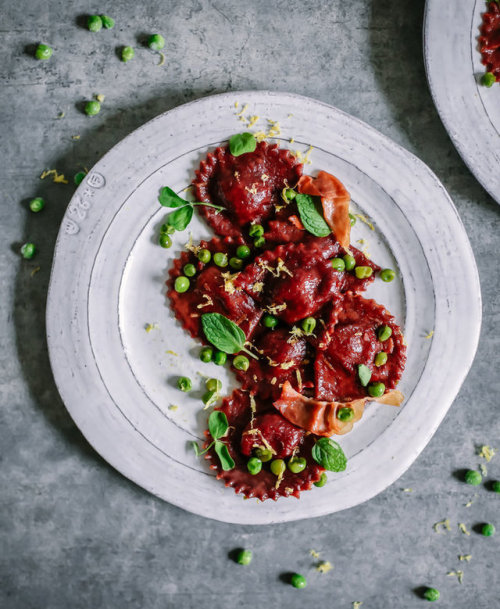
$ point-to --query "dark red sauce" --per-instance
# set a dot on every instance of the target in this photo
(489, 40)
(291, 278)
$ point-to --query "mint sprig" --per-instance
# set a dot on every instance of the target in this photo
(224, 334)
(327, 453)
(218, 427)
(180, 218)
(242, 143)
(310, 216)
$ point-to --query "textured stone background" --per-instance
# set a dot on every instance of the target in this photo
(75, 533)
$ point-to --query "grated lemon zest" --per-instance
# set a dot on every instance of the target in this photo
(442, 523)
(173, 407)
(162, 58)
(280, 478)
(324, 567)
(470, 502)
(292, 140)
(356, 604)
(484, 469)
(208, 302)
(100, 97)
(365, 220)
(487, 452)
(459, 574)
(274, 309)
(58, 178)
(273, 381)
(466, 557)
(242, 111)
(260, 136)
(299, 379)
(430, 335)
(170, 352)
(75, 137)
(264, 177)
(236, 104)
(61, 115)
(314, 554)
(252, 120)
(229, 282)
(253, 190)
(258, 286)
(149, 327)
(463, 528)
(407, 490)
(35, 271)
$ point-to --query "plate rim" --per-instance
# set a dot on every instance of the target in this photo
(375, 133)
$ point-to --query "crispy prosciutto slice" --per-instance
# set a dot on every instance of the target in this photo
(335, 201)
(320, 417)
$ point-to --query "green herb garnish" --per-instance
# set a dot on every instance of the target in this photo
(310, 215)
(364, 374)
(218, 427)
(180, 218)
(224, 334)
(327, 453)
(242, 143)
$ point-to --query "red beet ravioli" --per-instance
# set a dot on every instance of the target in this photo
(291, 282)
(211, 291)
(282, 357)
(352, 339)
(248, 186)
(253, 424)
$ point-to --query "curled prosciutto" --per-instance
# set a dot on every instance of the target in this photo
(326, 418)
(352, 339)
(247, 186)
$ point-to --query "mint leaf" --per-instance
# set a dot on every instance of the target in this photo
(196, 448)
(168, 198)
(217, 424)
(181, 218)
(329, 455)
(364, 374)
(226, 460)
(310, 216)
(242, 143)
(223, 333)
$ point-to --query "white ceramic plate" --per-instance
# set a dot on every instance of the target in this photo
(469, 111)
(108, 283)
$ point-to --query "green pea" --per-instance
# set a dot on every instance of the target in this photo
(220, 259)
(488, 529)
(473, 477)
(213, 384)
(108, 22)
(269, 321)
(244, 557)
(350, 262)
(43, 51)
(278, 467)
(209, 398)
(243, 251)
(322, 481)
(352, 219)
(167, 228)
(387, 275)
(127, 53)
(256, 230)
(259, 242)
(220, 358)
(156, 42)
(254, 465)
(376, 390)
(488, 79)
(165, 240)
(189, 270)
(264, 454)
(184, 383)
(206, 354)
(236, 263)
(383, 333)
(78, 177)
(298, 581)
(308, 324)
(290, 194)
(37, 204)
(345, 414)
(362, 272)
(431, 594)
(338, 264)
(92, 108)
(297, 465)
(204, 256)
(495, 486)
(380, 359)
(94, 23)
(181, 283)
(28, 250)
(240, 362)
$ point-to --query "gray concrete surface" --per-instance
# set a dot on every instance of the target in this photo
(74, 533)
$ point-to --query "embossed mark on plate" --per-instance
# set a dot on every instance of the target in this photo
(96, 180)
(78, 208)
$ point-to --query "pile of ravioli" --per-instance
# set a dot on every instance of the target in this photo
(290, 395)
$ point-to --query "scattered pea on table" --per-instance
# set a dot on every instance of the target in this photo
(127, 53)
(28, 250)
(37, 204)
(165, 240)
(184, 383)
(473, 477)
(298, 581)
(92, 108)
(156, 42)
(431, 594)
(94, 23)
(43, 51)
(108, 22)
(244, 557)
